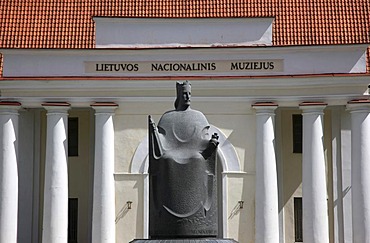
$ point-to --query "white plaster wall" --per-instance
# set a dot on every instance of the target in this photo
(341, 143)
(240, 221)
(292, 173)
(129, 222)
(137, 32)
(80, 176)
(239, 130)
(131, 127)
(346, 175)
(42, 120)
(337, 176)
(26, 176)
(328, 152)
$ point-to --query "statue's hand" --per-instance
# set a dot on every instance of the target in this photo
(214, 140)
(212, 146)
(155, 142)
(151, 122)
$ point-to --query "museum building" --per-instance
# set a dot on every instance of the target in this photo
(285, 84)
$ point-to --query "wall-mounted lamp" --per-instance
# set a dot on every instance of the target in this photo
(128, 204)
(241, 204)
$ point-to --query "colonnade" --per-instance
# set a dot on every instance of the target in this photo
(55, 211)
(315, 219)
(314, 195)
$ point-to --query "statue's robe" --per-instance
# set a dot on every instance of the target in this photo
(183, 200)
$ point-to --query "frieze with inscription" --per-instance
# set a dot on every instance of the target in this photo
(232, 67)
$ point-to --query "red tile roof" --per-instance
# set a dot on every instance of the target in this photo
(69, 24)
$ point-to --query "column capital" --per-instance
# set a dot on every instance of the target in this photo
(312, 107)
(359, 105)
(9, 107)
(265, 107)
(104, 107)
(56, 107)
(58, 104)
(10, 103)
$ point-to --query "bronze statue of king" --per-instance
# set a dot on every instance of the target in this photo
(182, 173)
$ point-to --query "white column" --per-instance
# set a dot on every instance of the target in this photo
(8, 171)
(267, 214)
(55, 220)
(103, 225)
(315, 212)
(360, 169)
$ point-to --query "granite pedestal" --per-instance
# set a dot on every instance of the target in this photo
(185, 241)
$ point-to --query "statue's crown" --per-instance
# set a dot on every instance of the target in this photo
(183, 86)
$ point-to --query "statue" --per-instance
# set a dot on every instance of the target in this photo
(182, 173)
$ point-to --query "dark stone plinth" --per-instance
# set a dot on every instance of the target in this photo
(186, 241)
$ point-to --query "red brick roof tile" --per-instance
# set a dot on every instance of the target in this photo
(69, 24)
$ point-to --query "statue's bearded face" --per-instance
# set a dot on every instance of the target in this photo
(183, 96)
(186, 96)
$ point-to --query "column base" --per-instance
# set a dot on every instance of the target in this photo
(192, 240)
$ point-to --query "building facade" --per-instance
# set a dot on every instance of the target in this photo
(293, 122)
